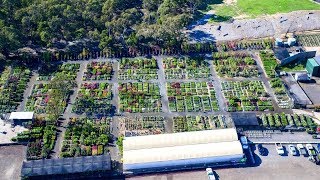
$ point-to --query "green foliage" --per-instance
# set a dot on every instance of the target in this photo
(120, 143)
(116, 23)
(254, 8)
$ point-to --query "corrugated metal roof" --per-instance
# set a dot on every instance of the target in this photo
(180, 139)
(317, 59)
(65, 165)
(182, 152)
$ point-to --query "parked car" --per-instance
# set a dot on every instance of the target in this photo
(292, 150)
(302, 150)
(262, 150)
(311, 150)
(279, 148)
(210, 174)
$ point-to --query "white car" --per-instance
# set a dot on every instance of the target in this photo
(210, 174)
(292, 150)
(279, 148)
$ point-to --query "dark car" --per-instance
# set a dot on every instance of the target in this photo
(262, 150)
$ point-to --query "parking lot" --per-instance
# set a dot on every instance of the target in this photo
(268, 167)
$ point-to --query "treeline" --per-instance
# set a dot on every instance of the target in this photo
(114, 24)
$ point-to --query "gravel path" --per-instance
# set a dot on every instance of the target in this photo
(268, 26)
(28, 91)
(68, 112)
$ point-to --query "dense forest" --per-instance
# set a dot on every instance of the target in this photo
(113, 24)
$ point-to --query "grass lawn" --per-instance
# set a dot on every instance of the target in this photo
(255, 8)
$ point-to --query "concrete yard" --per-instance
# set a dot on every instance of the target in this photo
(312, 89)
(270, 167)
(11, 158)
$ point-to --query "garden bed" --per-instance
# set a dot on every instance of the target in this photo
(246, 96)
(94, 99)
(39, 98)
(139, 97)
(192, 97)
(98, 71)
(235, 65)
(86, 137)
(138, 69)
(309, 40)
(282, 98)
(13, 82)
(69, 71)
(140, 126)
(269, 63)
(40, 137)
(185, 68)
(198, 123)
(283, 120)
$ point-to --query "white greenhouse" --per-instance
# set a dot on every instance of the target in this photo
(185, 150)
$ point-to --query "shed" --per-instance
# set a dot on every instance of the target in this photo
(21, 117)
(313, 66)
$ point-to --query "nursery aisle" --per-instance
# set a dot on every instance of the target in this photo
(68, 113)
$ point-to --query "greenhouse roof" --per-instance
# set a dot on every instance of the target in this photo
(180, 139)
(66, 165)
(182, 152)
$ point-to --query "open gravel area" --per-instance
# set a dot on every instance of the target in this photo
(269, 26)
(11, 158)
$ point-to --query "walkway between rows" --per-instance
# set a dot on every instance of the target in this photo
(68, 112)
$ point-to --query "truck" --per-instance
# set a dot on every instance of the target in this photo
(210, 174)
(302, 150)
(279, 148)
(311, 150)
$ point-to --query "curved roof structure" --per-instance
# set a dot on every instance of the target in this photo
(180, 139)
(181, 149)
(182, 152)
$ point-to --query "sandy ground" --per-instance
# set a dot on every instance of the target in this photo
(268, 26)
(7, 133)
(11, 158)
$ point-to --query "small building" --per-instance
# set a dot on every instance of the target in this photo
(313, 66)
(21, 118)
(178, 151)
